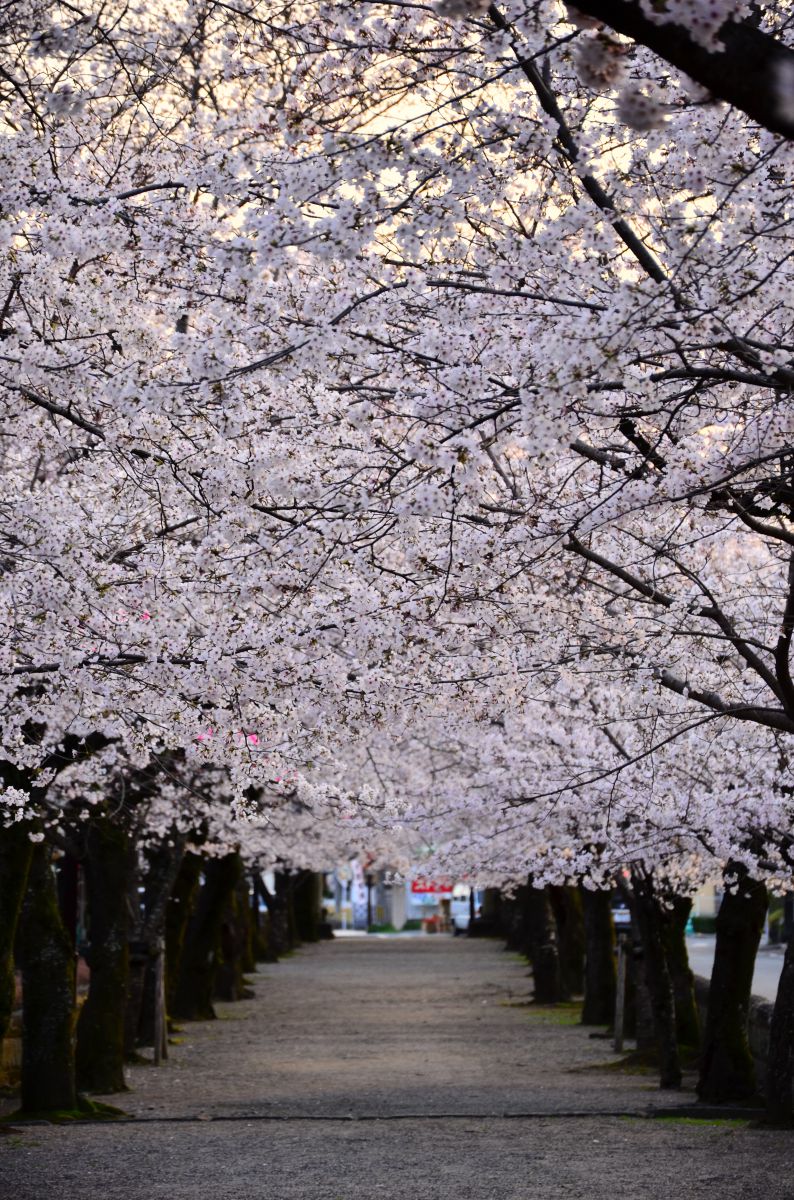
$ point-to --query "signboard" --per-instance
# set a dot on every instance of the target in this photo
(422, 886)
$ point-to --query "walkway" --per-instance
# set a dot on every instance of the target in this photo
(411, 1069)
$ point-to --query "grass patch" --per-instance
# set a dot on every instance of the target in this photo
(706, 1122)
(568, 1012)
(86, 1110)
(638, 1062)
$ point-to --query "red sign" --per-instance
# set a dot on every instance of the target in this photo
(431, 887)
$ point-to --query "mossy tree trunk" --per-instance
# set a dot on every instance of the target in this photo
(16, 853)
(566, 904)
(307, 898)
(110, 861)
(651, 921)
(727, 1070)
(196, 983)
(687, 1019)
(780, 1063)
(600, 975)
(235, 944)
(179, 910)
(46, 956)
(543, 946)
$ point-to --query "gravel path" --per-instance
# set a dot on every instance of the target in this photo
(404, 1068)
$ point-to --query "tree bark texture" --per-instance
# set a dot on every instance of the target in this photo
(543, 947)
(162, 869)
(48, 1016)
(727, 1070)
(179, 909)
(16, 853)
(235, 944)
(196, 984)
(566, 903)
(307, 898)
(651, 922)
(780, 1064)
(599, 978)
(687, 1019)
(109, 875)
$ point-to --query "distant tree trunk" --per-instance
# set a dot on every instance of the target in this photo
(639, 1009)
(780, 1063)
(514, 921)
(307, 897)
(48, 1017)
(650, 919)
(543, 946)
(179, 910)
(266, 936)
(687, 1020)
(248, 928)
(260, 922)
(599, 979)
(282, 924)
(109, 873)
(16, 853)
(727, 1069)
(492, 908)
(196, 984)
(235, 948)
(566, 903)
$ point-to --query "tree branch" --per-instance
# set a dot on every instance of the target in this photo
(746, 73)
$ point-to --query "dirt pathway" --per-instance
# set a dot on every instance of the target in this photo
(393, 1068)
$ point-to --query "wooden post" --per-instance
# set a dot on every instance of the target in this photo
(620, 994)
(160, 1044)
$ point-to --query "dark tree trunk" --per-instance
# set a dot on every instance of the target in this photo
(196, 984)
(279, 905)
(247, 926)
(687, 1020)
(514, 921)
(651, 922)
(235, 950)
(639, 1008)
(599, 979)
(109, 874)
(68, 870)
(566, 904)
(727, 1069)
(48, 1016)
(179, 910)
(780, 1063)
(260, 922)
(265, 941)
(163, 866)
(16, 853)
(543, 946)
(307, 898)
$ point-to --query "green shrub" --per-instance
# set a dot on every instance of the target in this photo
(412, 925)
(704, 924)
